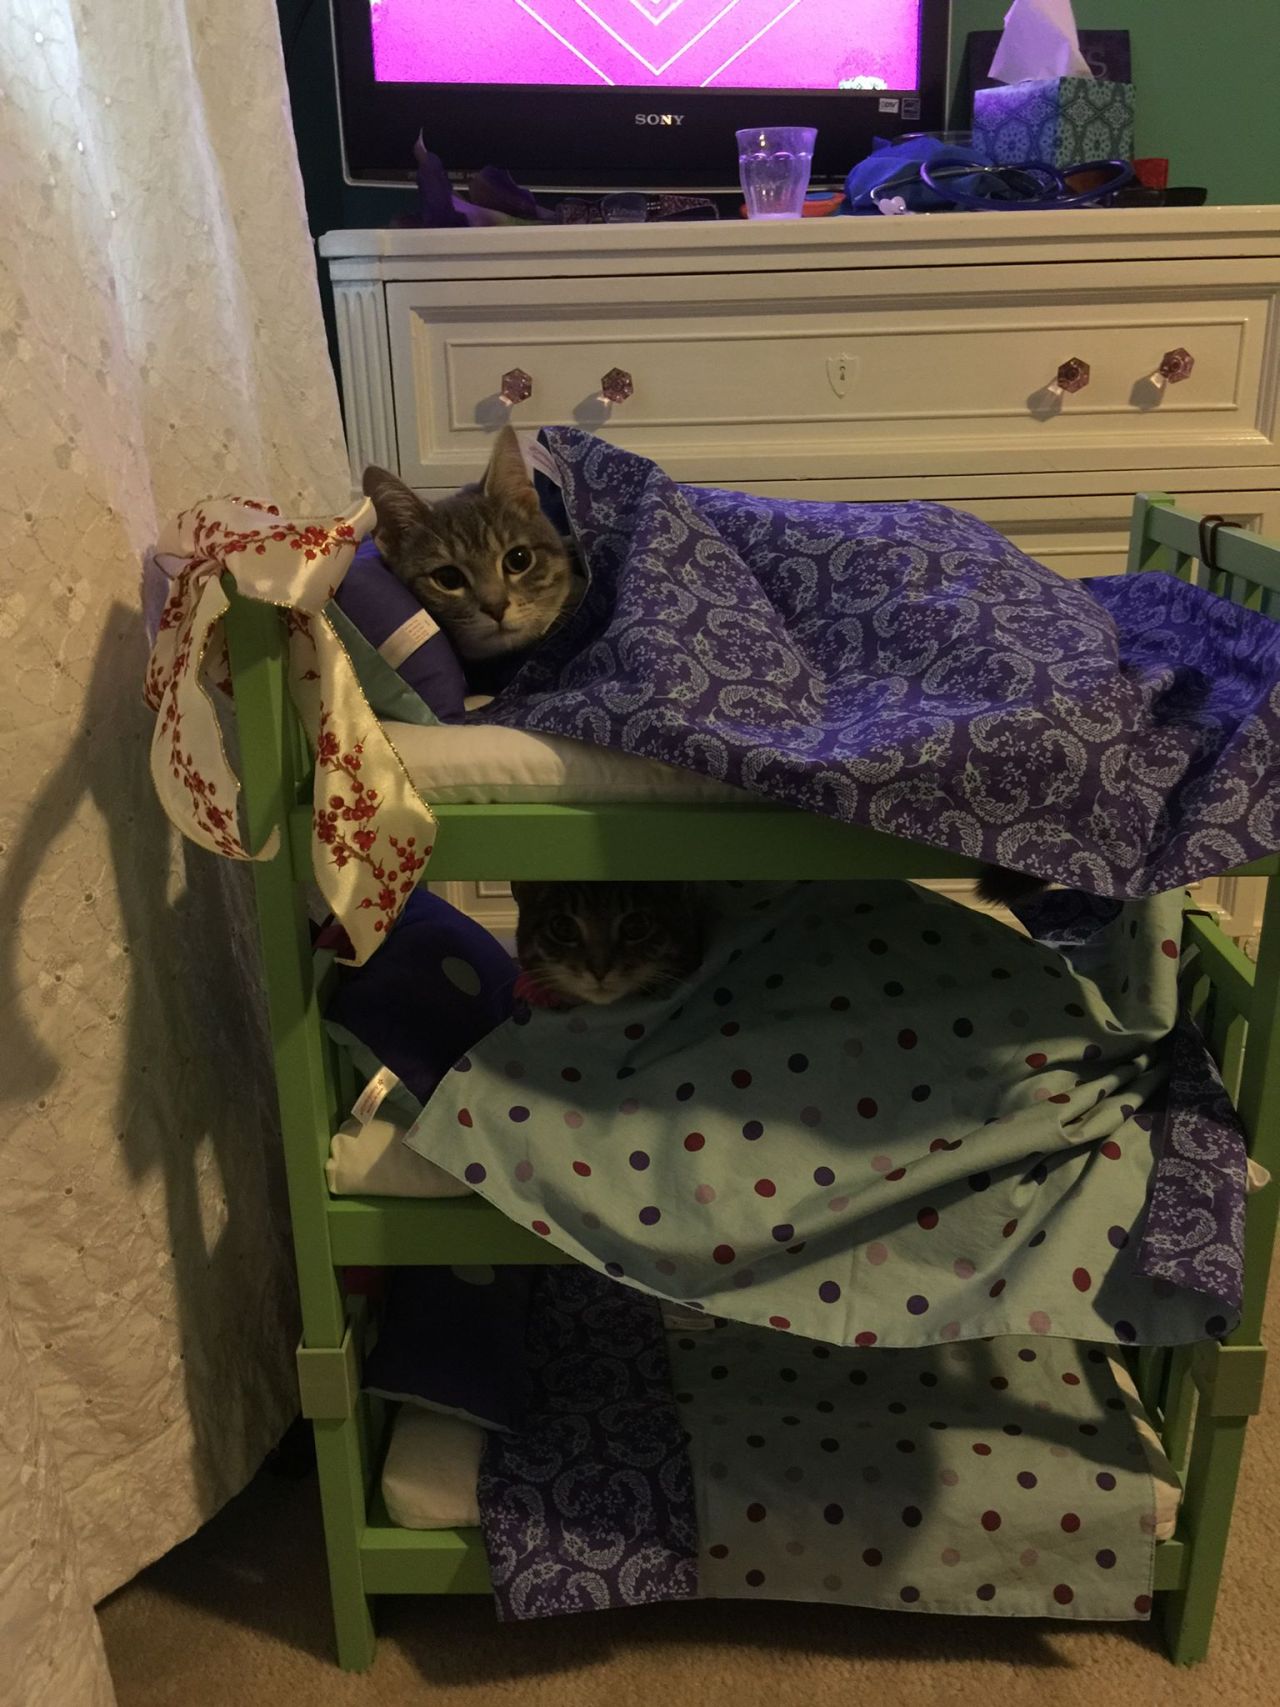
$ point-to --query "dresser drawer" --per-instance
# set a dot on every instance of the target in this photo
(936, 371)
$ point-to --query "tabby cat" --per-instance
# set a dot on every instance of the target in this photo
(485, 562)
(602, 942)
(495, 575)
(1003, 888)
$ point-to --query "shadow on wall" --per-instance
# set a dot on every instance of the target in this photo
(194, 1100)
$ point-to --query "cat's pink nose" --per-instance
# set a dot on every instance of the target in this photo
(497, 609)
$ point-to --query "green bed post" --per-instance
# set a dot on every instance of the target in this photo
(269, 734)
(1222, 1415)
(1145, 552)
(1228, 1376)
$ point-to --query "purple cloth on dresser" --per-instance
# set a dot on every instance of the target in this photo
(591, 1504)
(904, 667)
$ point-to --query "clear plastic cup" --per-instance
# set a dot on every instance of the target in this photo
(774, 165)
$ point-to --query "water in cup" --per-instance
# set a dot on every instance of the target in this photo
(774, 164)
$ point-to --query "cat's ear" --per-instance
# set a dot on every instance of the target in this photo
(507, 478)
(398, 509)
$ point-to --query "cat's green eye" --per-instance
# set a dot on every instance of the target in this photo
(563, 929)
(635, 927)
(449, 578)
(517, 560)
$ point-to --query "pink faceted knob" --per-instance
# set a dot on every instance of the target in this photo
(1073, 375)
(517, 387)
(1176, 366)
(617, 385)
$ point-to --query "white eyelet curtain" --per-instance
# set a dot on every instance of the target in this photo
(160, 340)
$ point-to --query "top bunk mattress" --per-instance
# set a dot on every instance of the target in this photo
(488, 765)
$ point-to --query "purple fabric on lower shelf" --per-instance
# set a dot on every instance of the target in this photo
(432, 1323)
(1193, 1234)
(438, 984)
(904, 667)
(1193, 1231)
(591, 1504)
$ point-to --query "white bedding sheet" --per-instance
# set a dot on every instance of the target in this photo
(483, 765)
(431, 1471)
(373, 1160)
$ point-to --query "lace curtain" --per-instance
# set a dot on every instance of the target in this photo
(160, 339)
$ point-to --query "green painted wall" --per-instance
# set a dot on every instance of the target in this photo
(1207, 76)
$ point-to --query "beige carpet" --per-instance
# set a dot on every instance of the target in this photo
(238, 1617)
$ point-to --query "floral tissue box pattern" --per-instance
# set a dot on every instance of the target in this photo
(1059, 121)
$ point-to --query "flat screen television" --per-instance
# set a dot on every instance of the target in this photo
(644, 94)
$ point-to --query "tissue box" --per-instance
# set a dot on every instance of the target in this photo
(1061, 121)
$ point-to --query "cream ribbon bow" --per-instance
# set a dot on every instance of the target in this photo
(372, 834)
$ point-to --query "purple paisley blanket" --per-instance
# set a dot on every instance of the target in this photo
(905, 668)
(590, 1504)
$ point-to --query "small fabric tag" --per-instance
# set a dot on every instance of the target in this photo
(539, 459)
(404, 641)
(371, 1098)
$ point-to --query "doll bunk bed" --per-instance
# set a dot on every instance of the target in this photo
(1199, 1397)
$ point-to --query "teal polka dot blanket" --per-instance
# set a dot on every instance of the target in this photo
(875, 1118)
(1007, 1476)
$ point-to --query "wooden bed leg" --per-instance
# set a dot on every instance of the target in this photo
(342, 1499)
(1179, 1408)
(1186, 1613)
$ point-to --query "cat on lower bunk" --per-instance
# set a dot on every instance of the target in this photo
(1005, 888)
(485, 563)
(602, 942)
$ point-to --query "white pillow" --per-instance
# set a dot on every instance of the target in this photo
(373, 1160)
(432, 1467)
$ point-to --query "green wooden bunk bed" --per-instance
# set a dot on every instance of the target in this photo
(1200, 1398)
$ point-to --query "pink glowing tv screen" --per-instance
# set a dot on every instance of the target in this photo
(650, 44)
(596, 94)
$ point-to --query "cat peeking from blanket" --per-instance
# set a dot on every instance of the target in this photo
(495, 575)
(602, 942)
(485, 563)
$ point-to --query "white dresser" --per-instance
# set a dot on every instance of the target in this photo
(1036, 369)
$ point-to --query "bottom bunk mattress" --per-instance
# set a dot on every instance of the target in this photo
(1013, 1477)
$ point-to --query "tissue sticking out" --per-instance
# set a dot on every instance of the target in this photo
(1039, 41)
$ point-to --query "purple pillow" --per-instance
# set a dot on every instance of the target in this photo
(437, 985)
(452, 1340)
(379, 604)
